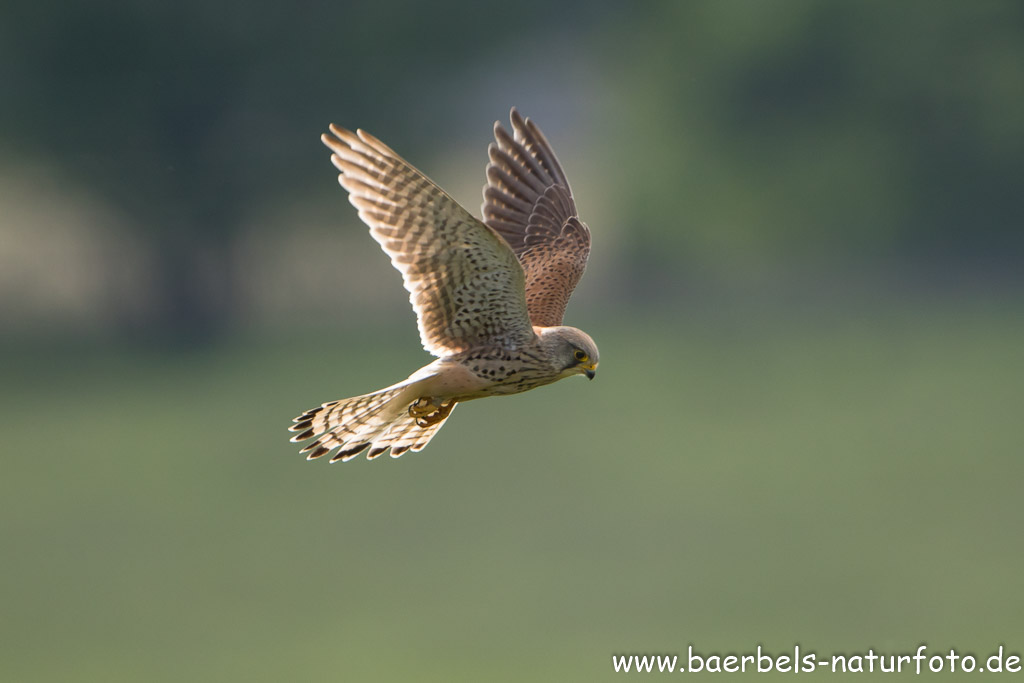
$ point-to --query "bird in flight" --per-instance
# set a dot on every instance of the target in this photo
(489, 296)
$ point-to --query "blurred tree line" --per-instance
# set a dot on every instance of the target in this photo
(732, 132)
(889, 130)
(182, 114)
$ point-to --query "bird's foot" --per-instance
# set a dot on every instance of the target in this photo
(422, 407)
(427, 413)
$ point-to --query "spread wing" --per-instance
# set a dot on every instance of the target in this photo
(465, 284)
(527, 201)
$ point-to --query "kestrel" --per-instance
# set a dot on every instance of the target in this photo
(489, 296)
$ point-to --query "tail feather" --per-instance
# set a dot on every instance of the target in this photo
(376, 421)
(407, 435)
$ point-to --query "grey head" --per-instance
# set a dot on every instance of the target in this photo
(570, 350)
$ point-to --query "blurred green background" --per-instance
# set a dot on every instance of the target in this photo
(806, 285)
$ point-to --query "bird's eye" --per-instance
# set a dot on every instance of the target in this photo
(580, 355)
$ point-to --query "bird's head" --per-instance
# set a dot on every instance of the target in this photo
(572, 351)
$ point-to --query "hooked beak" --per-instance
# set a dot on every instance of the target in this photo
(589, 370)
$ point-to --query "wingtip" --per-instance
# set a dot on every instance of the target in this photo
(516, 118)
(375, 144)
(338, 163)
(342, 137)
(367, 137)
(336, 141)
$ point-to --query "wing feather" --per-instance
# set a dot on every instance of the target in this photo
(528, 201)
(465, 284)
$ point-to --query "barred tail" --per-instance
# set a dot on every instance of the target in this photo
(377, 421)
